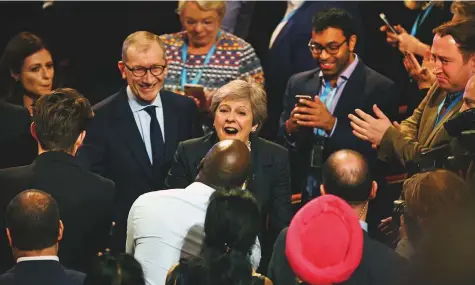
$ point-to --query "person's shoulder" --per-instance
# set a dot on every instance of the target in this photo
(106, 185)
(380, 252)
(74, 277)
(8, 277)
(194, 142)
(17, 172)
(304, 76)
(375, 77)
(106, 104)
(269, 146)
(177, 99)
(174, 39)
(232, 42)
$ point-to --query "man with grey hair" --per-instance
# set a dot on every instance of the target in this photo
(136, 130)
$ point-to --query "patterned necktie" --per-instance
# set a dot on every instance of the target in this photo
(156, 138)
(448, 100)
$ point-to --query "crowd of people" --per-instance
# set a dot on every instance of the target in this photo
(158, 185)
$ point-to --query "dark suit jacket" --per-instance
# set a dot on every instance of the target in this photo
(85, 202)
(364, 88)
(114, 149)
(289, 55)
(42, 272)
(269, 181)
(379, 264)
(17, 146)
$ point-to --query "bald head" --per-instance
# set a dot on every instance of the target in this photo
(469, 95)
(33, 220)
(226, 165)
(346, 174)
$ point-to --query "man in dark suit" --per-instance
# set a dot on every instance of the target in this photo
(17, 146)
(135, 133)
(85, 199)
(346, 175)
(342, 82)
(288, 53)
(34, 230)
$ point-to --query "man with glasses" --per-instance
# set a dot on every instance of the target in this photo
(313, 129)
(136, 131)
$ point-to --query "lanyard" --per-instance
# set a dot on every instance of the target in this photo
(327, 97)
(184, 55)
(454, 102)
(420, 19)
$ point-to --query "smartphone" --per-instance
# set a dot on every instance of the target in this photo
(196, 91)
(383, 17)
(304, 97)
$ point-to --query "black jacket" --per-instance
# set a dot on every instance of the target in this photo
(84, 199)
(114, 149)
(379, 264)
(42, 272)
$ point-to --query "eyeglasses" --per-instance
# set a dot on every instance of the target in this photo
(140, 71)
(331, 49)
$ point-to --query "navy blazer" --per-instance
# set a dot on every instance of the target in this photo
(379, 264)
(41, 272)
(289, 55)
(85, 202)
(114, 149)
(364, 88)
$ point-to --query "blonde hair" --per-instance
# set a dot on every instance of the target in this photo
(143, 40)
(243, 89)
(218, 6)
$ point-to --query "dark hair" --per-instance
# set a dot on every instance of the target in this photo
(463, 8)
(334, 18)
(121, 269)
(18, 48)
(33, 220)
(60, 117)
(463, 32)
(231, 227)
(352, 184)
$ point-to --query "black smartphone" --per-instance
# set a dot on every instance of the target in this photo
(385, 20)
(302, 97)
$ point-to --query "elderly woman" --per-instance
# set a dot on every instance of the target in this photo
(239, 110)
(203, 53)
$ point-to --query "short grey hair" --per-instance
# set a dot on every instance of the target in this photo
(143, 39)
(243, 89)
(205, 5)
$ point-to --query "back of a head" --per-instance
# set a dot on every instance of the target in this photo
(60, 117)
(463, 9)
(431, 194)
(346, 175)
(32, 218)
(226, 165)
(18, 48)
(231, 226)
(334, 18)
(121, 269)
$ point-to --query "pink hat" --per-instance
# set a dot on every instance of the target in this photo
(324, 241)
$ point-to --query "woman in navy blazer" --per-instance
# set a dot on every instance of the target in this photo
(239, 109)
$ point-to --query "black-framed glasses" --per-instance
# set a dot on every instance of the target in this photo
(331, 49)
(140, 71)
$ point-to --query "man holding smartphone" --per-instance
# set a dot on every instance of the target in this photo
(316, 125)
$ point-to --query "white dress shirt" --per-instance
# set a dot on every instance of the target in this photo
(165, 225)
(37, 258)
(142, 118)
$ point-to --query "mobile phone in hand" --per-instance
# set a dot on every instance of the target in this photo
(385, 20)
(196, 91)
(302, 97)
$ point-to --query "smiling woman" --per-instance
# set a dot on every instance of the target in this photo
(26, 70)
(239, 109)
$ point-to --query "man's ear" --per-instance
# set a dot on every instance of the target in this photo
(323, 191)
(472, 64)
(121, 66)
(9, 238)
(352, 42)
(33, 131)
(374, 190)
(61, 230)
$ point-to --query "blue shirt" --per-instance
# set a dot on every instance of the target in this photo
(142, 118)
(341, 83)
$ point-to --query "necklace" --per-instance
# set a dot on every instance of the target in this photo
(363, 210)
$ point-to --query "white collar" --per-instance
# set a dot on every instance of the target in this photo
(37, 258)
(137, 105)
(198, 186)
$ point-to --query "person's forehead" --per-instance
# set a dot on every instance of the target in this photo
(328, 35)
(192, 10)
(151, 51)
(444, 45)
